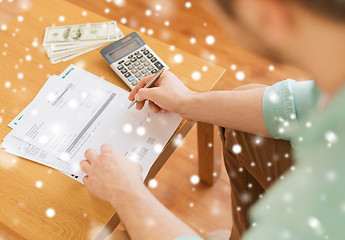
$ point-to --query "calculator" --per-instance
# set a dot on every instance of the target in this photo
(131, 59)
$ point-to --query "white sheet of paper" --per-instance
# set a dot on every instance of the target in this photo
(84, 112)
(23, 149)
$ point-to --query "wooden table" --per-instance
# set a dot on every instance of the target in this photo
(77, 213)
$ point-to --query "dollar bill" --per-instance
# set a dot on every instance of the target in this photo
(63, 43)
(83, 33)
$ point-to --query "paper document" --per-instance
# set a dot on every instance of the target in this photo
(78, 110)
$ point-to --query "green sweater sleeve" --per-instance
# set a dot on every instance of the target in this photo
(285, 103)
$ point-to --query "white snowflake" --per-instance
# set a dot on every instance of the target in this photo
(61, 18)
(315, 224)
(20, 18)
(39, 184)
(150, 31)
(119, 3)
(273, 97)
(212, 57)
(210, 39)
(331, 137)
(123, 20)
(195, 179)
(158, 7)
(158, 148)
(192, 40)
(196, 75)
(178, 58)
(237, 148)
(7, 84)
(50, 212)
(148, 12)
(240, 76)
(153, 183)
(127, 128)
(178, 140)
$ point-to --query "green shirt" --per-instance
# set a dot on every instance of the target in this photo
(309, 201)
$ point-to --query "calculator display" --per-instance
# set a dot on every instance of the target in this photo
(125, 50)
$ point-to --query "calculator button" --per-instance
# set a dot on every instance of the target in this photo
(144, 71)
(143, 60)
(134, 71)
(146, 64)
(158, 65)
(127, 75)
(137, 63)
(120, 67)
(148, 74)
(124, 70)
(133, 59)
(130, 56)
(136, 53)
(146, 52)
(139, 56)
(150, 67)
(127, 63)
(131, 78)
(149, 56)
(153, 59)
(130, 67)
(140, 67)
(121, 62)
(134, 82)
(154, 71)
(143, 49)
(137, 75)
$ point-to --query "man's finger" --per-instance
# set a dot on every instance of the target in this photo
(151, 94)
(140, 105)
(107, 148)
(141, 84)
(86, 180)
(154, 107)
(85, 166)
(90, 155)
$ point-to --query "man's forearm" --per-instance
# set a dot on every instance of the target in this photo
(145, 217)
(238, 110)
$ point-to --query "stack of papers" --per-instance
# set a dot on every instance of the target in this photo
(63, 43)
(78, 110)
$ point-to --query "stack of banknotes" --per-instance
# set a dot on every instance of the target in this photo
(63, 43)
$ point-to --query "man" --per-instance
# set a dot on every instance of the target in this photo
(309, 203)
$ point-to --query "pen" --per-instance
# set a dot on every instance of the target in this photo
(149, 84)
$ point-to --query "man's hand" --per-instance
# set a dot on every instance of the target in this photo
(109, 173)
(167, 94)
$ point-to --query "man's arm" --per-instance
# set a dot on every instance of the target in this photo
(239, 110)
(114, 178)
